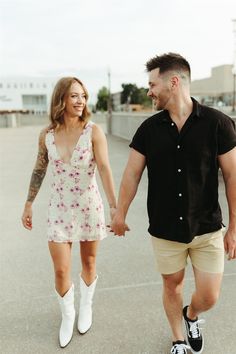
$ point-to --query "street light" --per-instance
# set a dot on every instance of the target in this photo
(234, 65)
(109, 103)
(234, 89)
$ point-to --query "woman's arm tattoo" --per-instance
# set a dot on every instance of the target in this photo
(39, 169)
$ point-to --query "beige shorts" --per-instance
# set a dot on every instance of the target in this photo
(206, 253)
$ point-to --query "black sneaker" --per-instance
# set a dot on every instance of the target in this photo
(195, 338)
(179, 347)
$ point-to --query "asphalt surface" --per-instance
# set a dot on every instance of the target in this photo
(128, 312)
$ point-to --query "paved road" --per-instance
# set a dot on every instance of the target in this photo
(128, 313)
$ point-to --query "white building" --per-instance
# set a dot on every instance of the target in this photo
(219, 87)
(26, 93)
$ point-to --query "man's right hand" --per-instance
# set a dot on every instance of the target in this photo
(118, 225)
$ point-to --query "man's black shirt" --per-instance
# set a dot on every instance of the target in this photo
(183, 171)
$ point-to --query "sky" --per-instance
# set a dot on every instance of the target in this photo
(89, 38)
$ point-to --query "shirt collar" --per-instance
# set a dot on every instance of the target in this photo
(196, 112)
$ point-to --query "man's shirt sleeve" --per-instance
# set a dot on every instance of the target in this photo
(226, 135)
(138, 142)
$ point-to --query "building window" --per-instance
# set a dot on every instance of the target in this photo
(35, 103)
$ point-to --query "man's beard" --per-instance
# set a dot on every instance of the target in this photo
(157, 105)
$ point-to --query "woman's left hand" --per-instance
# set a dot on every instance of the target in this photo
(112, 213)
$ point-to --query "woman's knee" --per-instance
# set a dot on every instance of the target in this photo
(89, 263)
(62, 272)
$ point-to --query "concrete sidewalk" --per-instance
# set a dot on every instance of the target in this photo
(128, 312)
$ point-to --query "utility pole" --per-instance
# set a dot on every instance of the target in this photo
(109, 104)
(234, 66)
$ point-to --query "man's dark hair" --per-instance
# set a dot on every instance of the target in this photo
(167, 62)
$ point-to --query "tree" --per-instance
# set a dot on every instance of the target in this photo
(143, 98)
(102, 99)
(129, 94)
(135, 95)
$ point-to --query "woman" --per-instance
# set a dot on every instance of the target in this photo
(73, 146)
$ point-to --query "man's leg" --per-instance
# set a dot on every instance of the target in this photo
(205, 296)
(171, 258)
(207, 256)
(173, 302)
(206, 293)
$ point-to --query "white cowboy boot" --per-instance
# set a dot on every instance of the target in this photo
(68, 316)
(85, 309)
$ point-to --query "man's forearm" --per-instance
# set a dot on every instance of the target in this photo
(128, 190)
(230, 188)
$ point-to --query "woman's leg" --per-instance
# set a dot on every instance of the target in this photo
(88, 280)
(61, 257)
(88, 252)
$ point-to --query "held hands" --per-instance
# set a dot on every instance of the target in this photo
(118, 225)
(230, 244)
(27, 217)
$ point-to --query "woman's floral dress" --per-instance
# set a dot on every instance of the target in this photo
(75, 210)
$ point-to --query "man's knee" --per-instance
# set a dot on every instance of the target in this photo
(173, 284)
(209, 299)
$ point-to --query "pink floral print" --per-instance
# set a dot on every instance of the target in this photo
(75, 211)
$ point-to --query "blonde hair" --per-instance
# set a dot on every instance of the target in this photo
(57, 107)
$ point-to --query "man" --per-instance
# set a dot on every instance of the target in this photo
(183, 147)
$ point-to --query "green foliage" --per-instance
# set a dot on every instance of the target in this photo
(134, 95)
(130, 94)
(102, 99)
(143, 98)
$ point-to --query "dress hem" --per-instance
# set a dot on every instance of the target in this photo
(77, 240)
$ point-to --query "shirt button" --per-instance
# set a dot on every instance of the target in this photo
(180, 218)
(179, 170)
(178, 146)
(180, 194)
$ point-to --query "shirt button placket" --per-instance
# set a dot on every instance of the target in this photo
(179, 180)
